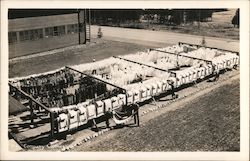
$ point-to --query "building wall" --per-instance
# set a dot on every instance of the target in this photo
(31, 47)
(38, 34)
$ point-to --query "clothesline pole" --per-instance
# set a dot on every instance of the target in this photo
(31, 112)
(52, 120)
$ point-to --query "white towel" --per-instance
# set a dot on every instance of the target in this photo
(91, 111)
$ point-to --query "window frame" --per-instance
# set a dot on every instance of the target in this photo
(55, 31)
(72, 28)
(12, 35)
(31, 35)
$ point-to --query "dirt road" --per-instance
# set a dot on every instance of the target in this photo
(146, 36)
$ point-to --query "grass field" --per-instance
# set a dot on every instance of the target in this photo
(207, 123)
(97, 50)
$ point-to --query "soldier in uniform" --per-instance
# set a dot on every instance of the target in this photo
(136, 115)
(216, 73)
(171, 83)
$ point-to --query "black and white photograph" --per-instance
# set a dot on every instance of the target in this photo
(112, 79)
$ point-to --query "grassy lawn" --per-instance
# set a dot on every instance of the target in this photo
(208, 123)
(100, 50)
(206, 29)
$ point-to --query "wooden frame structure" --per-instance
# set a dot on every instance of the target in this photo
(182, 43)
(33, 103)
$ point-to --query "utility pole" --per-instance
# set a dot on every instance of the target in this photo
(89, 24)
(79, 34)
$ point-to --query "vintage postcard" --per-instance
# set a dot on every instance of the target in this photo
(123, 80)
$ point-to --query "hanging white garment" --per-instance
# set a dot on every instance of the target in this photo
(143, 93)
(154, 89)
(73, 119)
(164, 85)
(108, 105)
(159, 87)
(91, 111)
(130, 97)
(137, 96)
(149, 91)
(83, 115)
(63, 122)
(115, 103)
(100, 108)
(122, 99)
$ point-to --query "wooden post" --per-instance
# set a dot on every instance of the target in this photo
(31, 112)
(137, 116)
(95, 91)
(107, 122)
(52, 122)
(94, 125)
(133, 111)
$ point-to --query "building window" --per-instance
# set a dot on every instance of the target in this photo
(36, 34)
(59, 30)
(12, 37)
(73, 28)
(54, 31)
(82, 27)
(31, 34)
(24, 35)
(49, 32)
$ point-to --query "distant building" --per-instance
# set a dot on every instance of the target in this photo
(35, 32)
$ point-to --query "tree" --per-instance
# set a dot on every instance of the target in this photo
(236, 19)
(176, 16)
(115, 15)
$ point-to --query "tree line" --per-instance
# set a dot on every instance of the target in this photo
(161, 16)
(116, 16)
